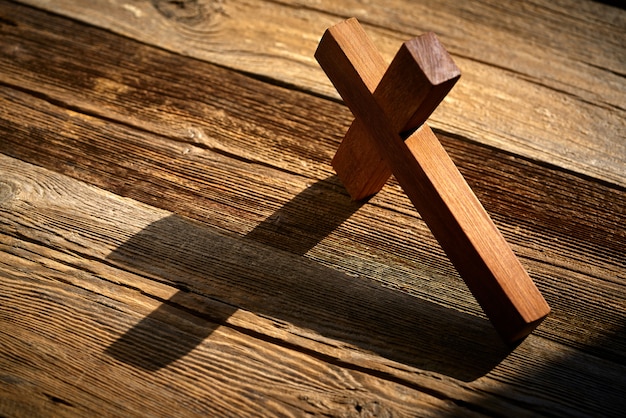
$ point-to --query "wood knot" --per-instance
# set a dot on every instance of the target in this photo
(188, 12)
(8, 192)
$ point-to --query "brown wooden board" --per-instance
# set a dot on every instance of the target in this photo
(88, 329)
(207, 228)
(543, 79)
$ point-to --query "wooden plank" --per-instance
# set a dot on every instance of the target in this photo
(143, 138)
(83, 267)
(542, 79)
(62, 288)
(121, 127)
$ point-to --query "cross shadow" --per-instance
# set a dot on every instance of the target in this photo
(265, 273)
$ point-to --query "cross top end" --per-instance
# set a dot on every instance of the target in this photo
(432, 58)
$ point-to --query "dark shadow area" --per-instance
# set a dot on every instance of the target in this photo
(171, 331)
(620, 4)
(265, 273)
(168, 334)
(308, 218)
(573, 383)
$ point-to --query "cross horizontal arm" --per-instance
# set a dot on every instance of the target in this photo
(439, 192)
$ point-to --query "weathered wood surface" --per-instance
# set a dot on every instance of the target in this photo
(543, 79)
(210, 263)
(70, 288)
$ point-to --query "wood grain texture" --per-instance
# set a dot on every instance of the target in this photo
(291, 271)
(80, 267)
(65, 285)
(542, 79)
(175, 151)
(431, 180)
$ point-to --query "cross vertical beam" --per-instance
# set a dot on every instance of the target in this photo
(423, 168)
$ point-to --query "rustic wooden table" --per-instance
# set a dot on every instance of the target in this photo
(173, 241)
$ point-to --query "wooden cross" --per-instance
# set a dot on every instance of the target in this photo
(389, 135)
